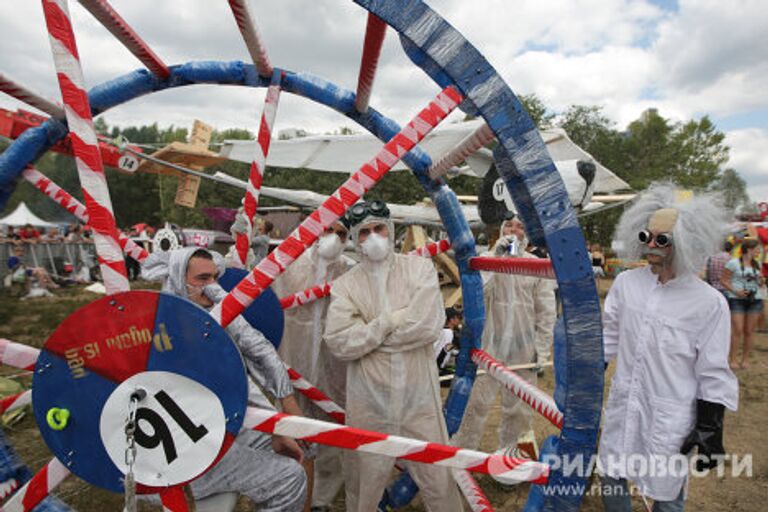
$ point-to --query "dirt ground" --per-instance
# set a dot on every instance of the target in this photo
(32, 321)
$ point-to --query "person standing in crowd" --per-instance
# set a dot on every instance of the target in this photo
(265, 468)
(669, 333)
(302, 347)
(384, 318)
(742, 280)
(260, 242)
(520, 318)
(715, 265)
(598, 261)
(29, 234)
(447, 344)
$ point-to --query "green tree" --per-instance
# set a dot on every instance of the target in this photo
(733, 188)
(698, 153)
(536, 109)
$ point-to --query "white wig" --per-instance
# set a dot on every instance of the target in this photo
(698, 232)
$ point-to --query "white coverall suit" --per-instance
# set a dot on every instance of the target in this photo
(672, 344)
(520, 315)
(302, 347)
(250, 467)
(383, 320)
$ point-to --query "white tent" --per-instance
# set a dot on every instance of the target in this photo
(346, 153)
(22, 216)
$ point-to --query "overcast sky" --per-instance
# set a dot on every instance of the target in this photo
(687, 58)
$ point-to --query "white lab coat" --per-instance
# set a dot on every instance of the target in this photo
(302, 347)
(672, 343)
(520, 315)
(383, 323)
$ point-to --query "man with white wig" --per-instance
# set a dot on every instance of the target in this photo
(266, 469)
(303, 349)
(520, 318)
(670, 334)
(385, 314)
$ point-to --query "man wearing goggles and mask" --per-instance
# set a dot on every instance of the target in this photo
(302, 346)
(384, 316)
(669, 332)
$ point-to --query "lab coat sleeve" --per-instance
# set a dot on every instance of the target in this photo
(347, 334)
(261, 359)
(611, 320)
(544, 307)
(716, 381)
(421, 322)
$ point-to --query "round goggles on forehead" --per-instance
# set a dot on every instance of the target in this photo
(360, 211)
(661, 239)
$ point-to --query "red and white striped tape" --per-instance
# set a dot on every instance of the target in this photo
(467, 147)
(317, 397)
(36, 490)
(472, 492)
(85, 145)
(505, 469)
(534, 267)
(173, 499)
(21, 93)
(432, 249)
(318, 292)
(10, 403)
(18, 355)
(251, 37)
(527, 392)
(112, 21)
(76, 208)
(253, 189)
(305, 297)
(375, 31)
(334, 207)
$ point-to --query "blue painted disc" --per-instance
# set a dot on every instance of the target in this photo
(168, 347)
(265, 313)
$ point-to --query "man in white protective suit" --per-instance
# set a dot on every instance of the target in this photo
(302, 347)
(384, 316)
(266, 469)
(669, 332)
(520, 316)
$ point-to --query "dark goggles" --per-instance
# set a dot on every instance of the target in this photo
(360, 211)
(662, 239)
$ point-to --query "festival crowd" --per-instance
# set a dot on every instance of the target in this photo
(674, 329)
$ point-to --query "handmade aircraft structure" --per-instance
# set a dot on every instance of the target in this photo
(139, 361)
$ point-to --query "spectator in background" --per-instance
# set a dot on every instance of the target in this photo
(52, 236)
(260, 242)
(742, 281)
(75, 234)
(716, 264)
(598, 260)
(29, 234)
(447, 345)
(36, 279)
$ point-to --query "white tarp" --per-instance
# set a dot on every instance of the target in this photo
(22, 216)
(347, 153)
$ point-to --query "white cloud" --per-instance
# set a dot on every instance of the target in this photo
(749, 157)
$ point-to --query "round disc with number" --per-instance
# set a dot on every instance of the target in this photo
(186, 369)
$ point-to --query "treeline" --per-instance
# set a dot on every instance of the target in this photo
(691, 154)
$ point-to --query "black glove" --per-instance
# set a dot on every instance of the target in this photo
(707, 435)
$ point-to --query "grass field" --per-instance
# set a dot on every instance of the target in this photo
(32, 321)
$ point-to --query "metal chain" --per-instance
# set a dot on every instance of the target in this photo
(130, 450)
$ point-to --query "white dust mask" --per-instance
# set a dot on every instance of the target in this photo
(375, 247)
(330, 247)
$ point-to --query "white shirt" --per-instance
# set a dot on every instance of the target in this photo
(672, 343)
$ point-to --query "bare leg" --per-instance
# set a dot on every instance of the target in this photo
(737, 327)
(750, 322)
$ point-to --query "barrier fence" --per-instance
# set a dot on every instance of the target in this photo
(51, 256)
